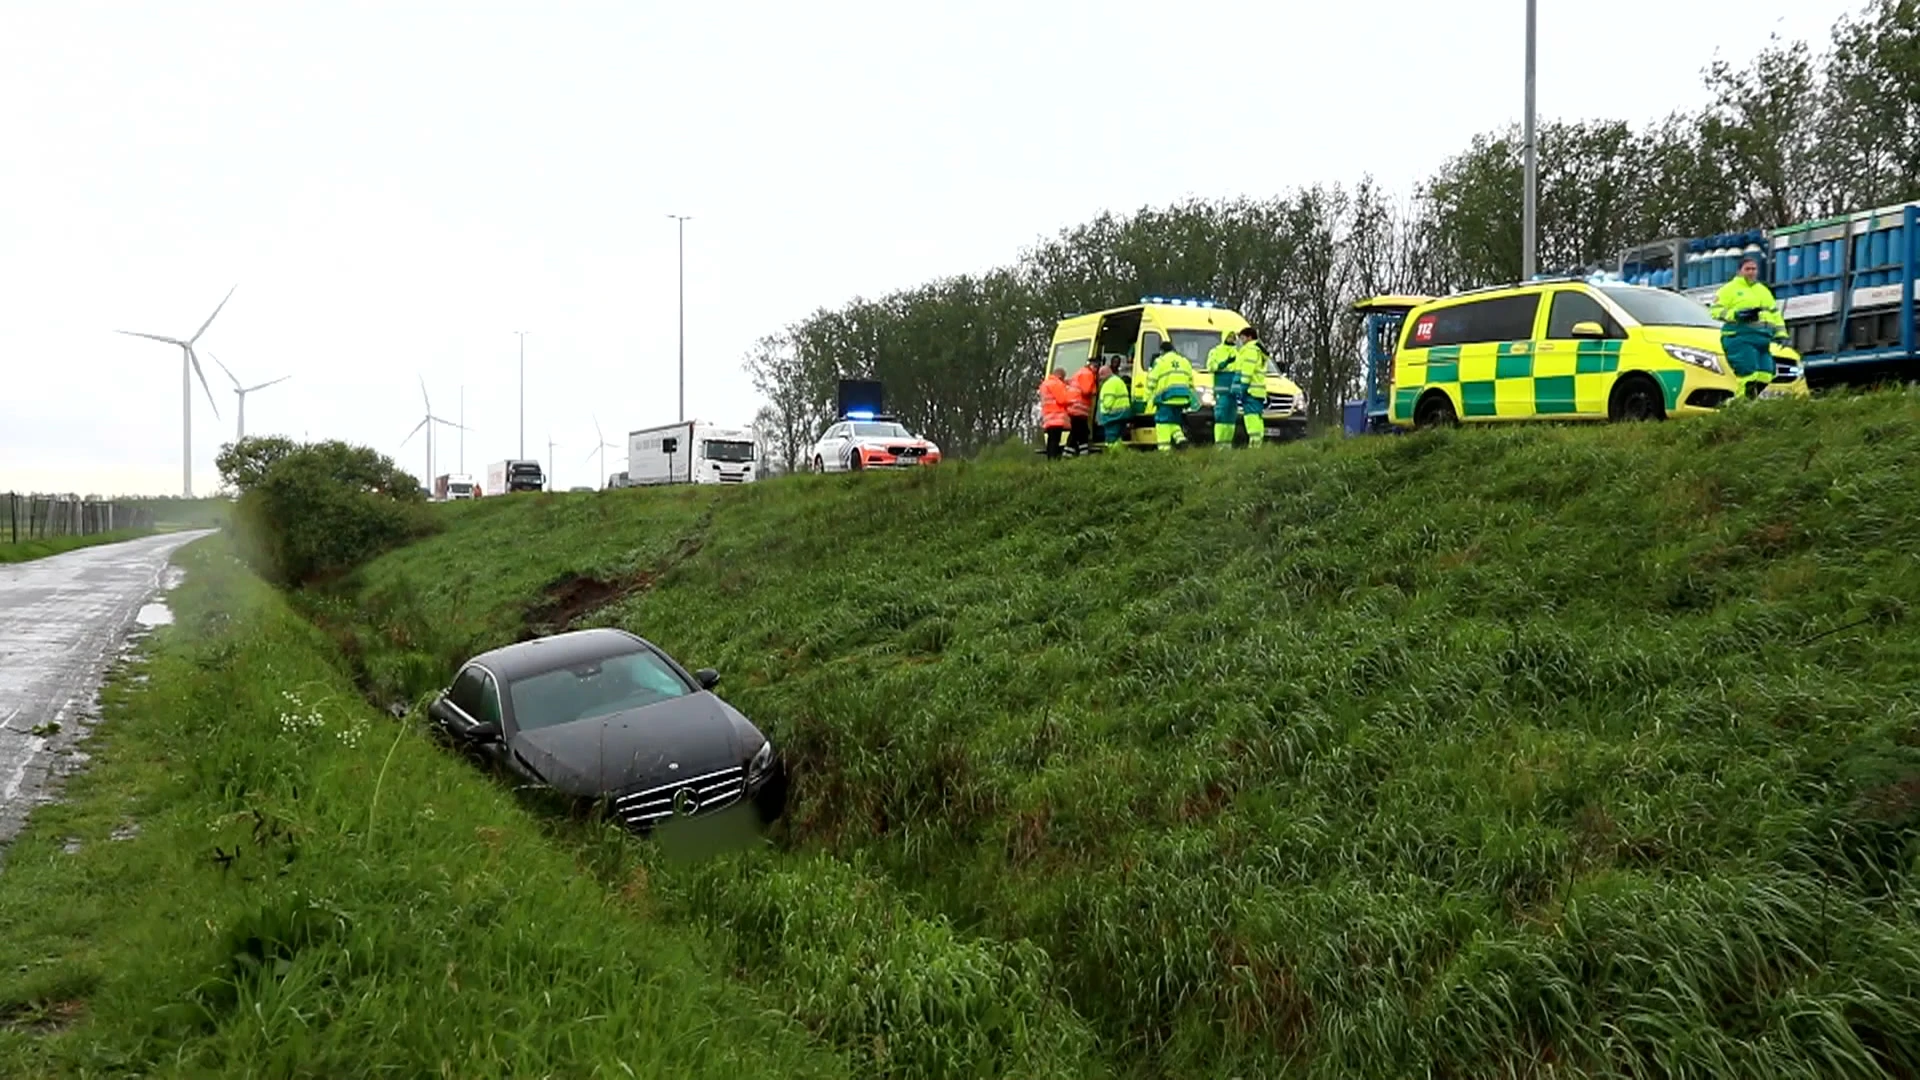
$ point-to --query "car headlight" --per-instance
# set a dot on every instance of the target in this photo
(762, 760)
(1700, 358)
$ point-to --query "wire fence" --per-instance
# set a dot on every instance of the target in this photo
(35, 517)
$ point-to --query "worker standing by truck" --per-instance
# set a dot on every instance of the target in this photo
(1221, 366)
(1086, 383)
(1172, 395)
(1055, 396)
(1250, 386)
(1115, 407)
(1751, 323)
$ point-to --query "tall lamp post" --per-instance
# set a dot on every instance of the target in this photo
(681, 220)
(1529, 251)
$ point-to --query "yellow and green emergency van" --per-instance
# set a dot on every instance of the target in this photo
(1567, 349)
(1133, 334)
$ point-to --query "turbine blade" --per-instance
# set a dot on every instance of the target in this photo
(203, 380)
(423, 395)
(151, 337)
(590, 454)
(411, 434)
(229, 371)
(597, 431)
(264, 385)
(210, 318)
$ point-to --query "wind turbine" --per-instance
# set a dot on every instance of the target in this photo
(243, 391)
(601, 450)
(427, 422)
(189, 364)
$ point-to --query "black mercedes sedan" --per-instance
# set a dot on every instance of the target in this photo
(606, 715)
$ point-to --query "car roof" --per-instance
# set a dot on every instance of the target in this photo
(526, 658)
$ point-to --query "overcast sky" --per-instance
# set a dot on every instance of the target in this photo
(397, 187)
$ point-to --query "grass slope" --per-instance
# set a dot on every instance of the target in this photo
(308, 895)
(28, 550)
(1543, 751)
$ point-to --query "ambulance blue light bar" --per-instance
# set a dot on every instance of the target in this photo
(860, 414)
(1178, 301)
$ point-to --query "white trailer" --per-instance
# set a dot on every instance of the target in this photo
(690, 453)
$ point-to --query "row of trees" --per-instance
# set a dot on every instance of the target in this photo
(1790, 135)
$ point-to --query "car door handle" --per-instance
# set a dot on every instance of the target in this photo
(1546, 347)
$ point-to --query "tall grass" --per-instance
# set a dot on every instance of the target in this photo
(225, 894)
(1497, 752)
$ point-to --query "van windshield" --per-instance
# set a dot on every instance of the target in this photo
(1195, 345)
(1657, 307)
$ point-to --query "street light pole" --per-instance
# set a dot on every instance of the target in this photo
(523, 389)
(682, 220)
(1529, 249)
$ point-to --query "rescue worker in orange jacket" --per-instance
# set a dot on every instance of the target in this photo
(1086, 384)
(1056, 398)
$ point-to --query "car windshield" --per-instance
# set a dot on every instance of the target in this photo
(880, 431)
(594, 688)
(1657, 307)
(727, 450)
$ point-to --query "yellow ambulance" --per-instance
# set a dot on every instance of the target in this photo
(1567, 349)
(1132, 336)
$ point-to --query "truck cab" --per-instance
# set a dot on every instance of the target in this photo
(1130, 337)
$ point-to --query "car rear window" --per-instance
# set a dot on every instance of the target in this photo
(600, 688)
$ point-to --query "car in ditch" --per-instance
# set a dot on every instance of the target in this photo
(858, 442)
(605, 716)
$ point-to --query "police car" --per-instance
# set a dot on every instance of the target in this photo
(864, 440)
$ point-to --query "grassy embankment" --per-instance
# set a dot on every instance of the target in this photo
(1490, 752)
(28, 550)
(267, 882)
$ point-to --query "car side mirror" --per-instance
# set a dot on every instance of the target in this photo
(487, 731)
(1589, 329)
(707, 678)
(438, 710)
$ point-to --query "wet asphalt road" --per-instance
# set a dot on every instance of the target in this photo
(63, 620)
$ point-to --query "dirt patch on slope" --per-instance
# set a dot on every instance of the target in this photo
(572, 597)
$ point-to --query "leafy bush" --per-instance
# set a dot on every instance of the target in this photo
(309, 511)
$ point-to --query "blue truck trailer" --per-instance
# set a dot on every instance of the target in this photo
(1845, 285)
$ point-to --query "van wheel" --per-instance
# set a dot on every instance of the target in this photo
(819, 466)
(1435, 410)
(1636, 398)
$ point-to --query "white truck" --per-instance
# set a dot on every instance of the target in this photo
(453, 486)
(690, 453)
(514, 475)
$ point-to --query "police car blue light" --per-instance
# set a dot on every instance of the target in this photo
(860, 414)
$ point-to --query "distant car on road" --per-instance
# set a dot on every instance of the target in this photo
(603, 714)
(853, 444)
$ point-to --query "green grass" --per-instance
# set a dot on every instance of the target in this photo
(28, 550)
(1496, 752)
(315, 890)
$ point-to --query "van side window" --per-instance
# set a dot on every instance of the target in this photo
(1149, 348)
(1573, 306)
(1071, 354)
(1505, 318)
